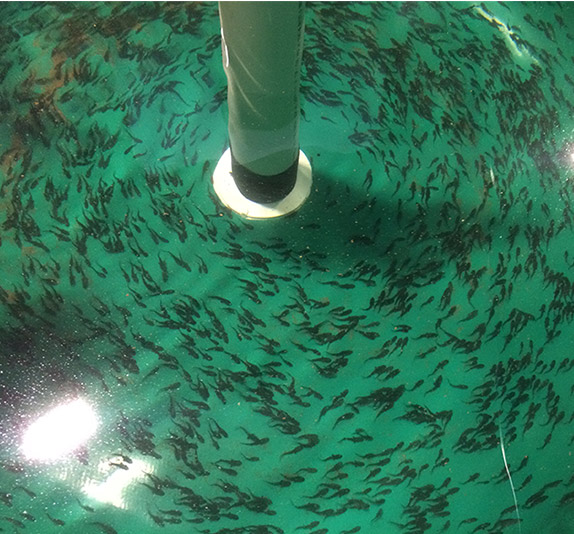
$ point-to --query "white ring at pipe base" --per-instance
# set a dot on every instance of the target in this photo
(230, 196)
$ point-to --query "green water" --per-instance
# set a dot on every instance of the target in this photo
(350, 368)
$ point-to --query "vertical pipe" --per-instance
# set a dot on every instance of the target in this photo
(262, 44)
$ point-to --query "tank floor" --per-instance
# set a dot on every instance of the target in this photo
(397, 356)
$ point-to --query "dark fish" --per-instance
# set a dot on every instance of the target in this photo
(104, 527)
(57, 522)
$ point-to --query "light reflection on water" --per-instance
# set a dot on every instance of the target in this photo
(60, 431)
(390, 356)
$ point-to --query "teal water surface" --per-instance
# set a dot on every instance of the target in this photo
(397, 356)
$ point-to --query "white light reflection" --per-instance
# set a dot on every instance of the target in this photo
(225, 53)
(60, 431)
(566, 155)
(518, 50)
(115, 487)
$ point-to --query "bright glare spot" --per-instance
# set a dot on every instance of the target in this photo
(60, 431)
(506, 32)
(572, 156)
(114, 488)
(225, 49)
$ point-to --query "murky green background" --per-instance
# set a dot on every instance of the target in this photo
(351, 368)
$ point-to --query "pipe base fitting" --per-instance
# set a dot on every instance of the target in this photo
(229, 194)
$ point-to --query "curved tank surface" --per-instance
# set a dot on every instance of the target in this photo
(396, 356)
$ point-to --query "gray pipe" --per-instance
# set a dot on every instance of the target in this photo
(262, 47)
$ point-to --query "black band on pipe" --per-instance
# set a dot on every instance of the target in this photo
(264, 189)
